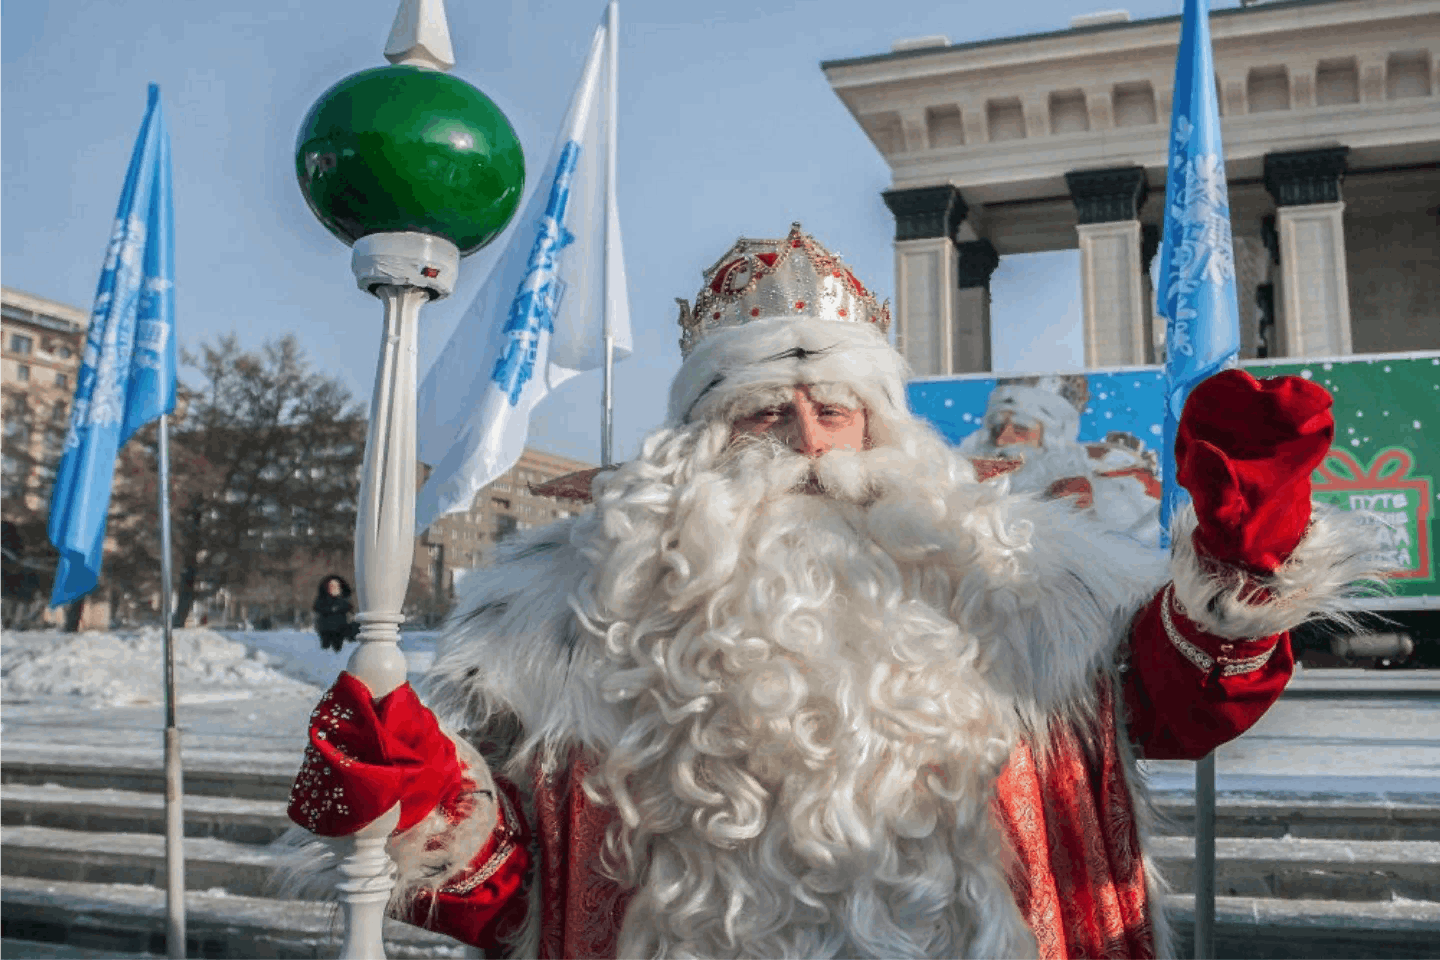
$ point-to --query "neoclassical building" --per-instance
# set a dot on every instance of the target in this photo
(1331, 123)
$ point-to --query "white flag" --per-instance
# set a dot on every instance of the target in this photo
(555, 293)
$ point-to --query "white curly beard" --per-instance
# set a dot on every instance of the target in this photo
(809, 744)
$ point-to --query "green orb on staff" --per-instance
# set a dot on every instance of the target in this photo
(407, 149)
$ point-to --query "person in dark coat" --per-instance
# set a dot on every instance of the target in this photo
(332, 613)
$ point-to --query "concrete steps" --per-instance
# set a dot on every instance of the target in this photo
(1272, 929)
(115, 919)
(1299, 868)
(134, 858)
(1306, 876)
(1362, 817)
(130, 811)
(82, 853)
(248, 776)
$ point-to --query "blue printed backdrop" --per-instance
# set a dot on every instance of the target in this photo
(1129, 400)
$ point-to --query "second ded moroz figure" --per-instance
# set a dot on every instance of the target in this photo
(799, 685)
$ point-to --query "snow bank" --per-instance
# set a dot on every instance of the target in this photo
(127, 668)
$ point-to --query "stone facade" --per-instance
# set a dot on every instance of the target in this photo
(465, 540)
(1331, 123)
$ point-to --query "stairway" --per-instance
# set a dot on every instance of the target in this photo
(82, 853)
(83, 859)
(1309, 876)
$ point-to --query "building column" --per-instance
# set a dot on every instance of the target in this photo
(926, 219)
(1252, 271)
(1268, 294)
(970, 344)
(1150, 236)
(1314, 309)
(1107, 207)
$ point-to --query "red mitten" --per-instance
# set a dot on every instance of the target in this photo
(366, 755)
(1245, 449)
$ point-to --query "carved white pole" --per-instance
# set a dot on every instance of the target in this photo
(369, 876)
(410, 166)
(385, 523)
(404, 270)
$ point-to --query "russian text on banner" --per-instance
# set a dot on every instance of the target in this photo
(540, 317)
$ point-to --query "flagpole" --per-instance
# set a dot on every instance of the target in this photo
(607, 403)
(1197, 298)
(134, 307)
(174, 784)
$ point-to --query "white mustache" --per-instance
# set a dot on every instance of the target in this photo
(776, 470)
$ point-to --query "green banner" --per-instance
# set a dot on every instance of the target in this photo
(1386, 455)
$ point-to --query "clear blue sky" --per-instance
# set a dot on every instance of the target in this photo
(727, 128)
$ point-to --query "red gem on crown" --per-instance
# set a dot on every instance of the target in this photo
(756, 275)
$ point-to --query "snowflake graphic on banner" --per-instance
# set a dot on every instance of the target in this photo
(1202, 251)
(105, 364)
(532, 312)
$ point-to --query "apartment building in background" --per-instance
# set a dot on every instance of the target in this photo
(460, 542)
(40, 346)
(41, 351)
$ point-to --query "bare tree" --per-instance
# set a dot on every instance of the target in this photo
(264, 466)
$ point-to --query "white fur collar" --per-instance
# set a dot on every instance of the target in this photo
(1050, 599)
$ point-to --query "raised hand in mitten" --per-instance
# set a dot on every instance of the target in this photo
(460, 844)
(1245, 449)
(365, 756)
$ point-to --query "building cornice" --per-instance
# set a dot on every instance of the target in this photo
(1005, 119)
(40, 305)
(1226, 24)
(1377, 134)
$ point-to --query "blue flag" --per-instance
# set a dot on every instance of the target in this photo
(1196, 292)
(127, 373)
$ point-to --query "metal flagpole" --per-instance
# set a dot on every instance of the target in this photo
(1205, 857)
(174, 788)
(607, 408)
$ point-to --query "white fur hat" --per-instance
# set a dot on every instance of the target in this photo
(784, 313)
(735, 363)
(1041, 402)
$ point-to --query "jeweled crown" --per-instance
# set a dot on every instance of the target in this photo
(793, 277)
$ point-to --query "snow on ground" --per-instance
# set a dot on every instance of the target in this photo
(125, 668)
(121, 668)
(298, 653)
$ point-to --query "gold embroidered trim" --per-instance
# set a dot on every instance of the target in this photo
(505, 832)
(1201, 659)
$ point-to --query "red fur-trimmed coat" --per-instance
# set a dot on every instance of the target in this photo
(1203, 659)
(1068, 810)
(1099, 658)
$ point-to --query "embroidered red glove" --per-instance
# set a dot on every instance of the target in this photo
(366, 755)
(480, 905)
(1245, 449)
